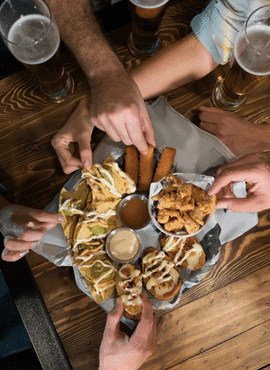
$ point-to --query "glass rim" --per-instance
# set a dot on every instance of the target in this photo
(247, 20)
(34, 42)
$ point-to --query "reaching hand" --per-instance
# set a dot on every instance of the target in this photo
(117, 350)
(239, 135)
(78, 129)
(255, 172)
(117, 107)
(22, 228)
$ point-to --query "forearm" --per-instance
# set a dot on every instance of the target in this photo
(81, 33)
(178, 64)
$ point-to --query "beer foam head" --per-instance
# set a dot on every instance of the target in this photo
(148, 3)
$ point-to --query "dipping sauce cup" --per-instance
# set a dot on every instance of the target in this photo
(133, 211)
(123, 245)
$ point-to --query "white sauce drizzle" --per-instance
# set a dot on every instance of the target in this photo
(160, 262)
(132, 296)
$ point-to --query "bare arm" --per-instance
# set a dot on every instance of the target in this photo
(81, 33)
(115, 105)
(178, 64)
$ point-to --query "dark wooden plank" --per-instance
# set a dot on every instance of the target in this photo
(214, 322)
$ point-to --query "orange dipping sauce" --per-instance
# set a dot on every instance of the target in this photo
(134, 213)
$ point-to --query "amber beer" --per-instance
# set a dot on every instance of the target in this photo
(251, 61)
(42, 57)
(146, 15)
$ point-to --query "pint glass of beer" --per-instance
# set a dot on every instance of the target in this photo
(31, 34)
(250, 62)
(144, 40)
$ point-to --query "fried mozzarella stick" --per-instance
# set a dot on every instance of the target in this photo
(165, 163)
(146, 169)
(132, 162)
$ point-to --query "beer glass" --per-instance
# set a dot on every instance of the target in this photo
(31, 34)
(144, 40)
(250, 62)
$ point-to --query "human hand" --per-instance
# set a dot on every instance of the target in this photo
(117, 107)
(255, 172)
(239, 135)
(117, 350)
(22, 228)
(78, 128)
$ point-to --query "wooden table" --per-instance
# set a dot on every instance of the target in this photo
(222, 323)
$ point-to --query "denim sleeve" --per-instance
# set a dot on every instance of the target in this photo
(218, 25)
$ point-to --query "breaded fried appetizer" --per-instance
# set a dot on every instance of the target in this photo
(99, 274)
(146, 169)
(160, 274)
(132, 162)
(186, 252)
(129, 288)
(182, 207)
(165, 163)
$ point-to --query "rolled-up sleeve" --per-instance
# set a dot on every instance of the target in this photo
(218, 25)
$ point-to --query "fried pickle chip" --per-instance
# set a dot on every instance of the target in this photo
(99, 274)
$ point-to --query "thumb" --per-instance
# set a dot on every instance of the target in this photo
(85, 151)
(112, 328)
(239, 204)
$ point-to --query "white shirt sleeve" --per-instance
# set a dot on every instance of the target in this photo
(218, 25)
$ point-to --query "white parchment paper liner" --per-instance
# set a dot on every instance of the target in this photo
(197, 152)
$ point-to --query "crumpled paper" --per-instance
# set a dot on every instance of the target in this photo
(198, 152)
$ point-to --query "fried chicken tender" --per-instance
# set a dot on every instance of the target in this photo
(190, 225)
(183, 206)
(176, 224)
(165, 215)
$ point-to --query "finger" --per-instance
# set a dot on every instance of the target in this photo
(250, 204)
(68, 163)
(232, 174)
(209, 127)
(14, 244)
(146, 325)
(210, 109)
(111, 331)
(137, 138)
(33, 235)
(247, 160)
(44, 219)
(85, 150)
(12, 256)
(147, 128)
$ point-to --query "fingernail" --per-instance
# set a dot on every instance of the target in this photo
(34, 244)
(222, 206)
(24, 253)
(60, 218)
(86, 163)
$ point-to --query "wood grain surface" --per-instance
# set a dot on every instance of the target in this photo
(222, 323)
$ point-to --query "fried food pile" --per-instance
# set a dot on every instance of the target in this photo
(90, 214)
(141, 167)
(183, 206)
